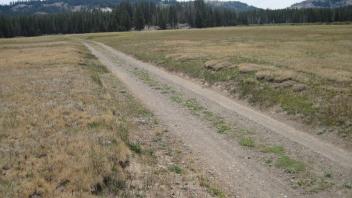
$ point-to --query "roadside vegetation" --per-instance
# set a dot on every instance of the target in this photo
(302, 175)
(69, 128)
(303, 70)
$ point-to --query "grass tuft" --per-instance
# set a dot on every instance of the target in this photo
(289, 165)
(222, 127)
(278, 150)
(247, 142)
(96, 78)
(175, 168)
(95, 124)
(213, 190)
(10, 121)
(135, 147)
(314, 184)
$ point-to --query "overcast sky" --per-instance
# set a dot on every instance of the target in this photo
(273, 4)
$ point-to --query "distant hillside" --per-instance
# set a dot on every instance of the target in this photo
(233, 5)
(322, 4)
(58, 6)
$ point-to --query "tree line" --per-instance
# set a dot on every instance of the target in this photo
(136, 15)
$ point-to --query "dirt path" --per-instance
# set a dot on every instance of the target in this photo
(241, 178)
(338, 155)
(228, 161)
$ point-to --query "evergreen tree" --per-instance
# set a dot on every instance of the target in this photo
(162, 20)
(200, 13)
(139, 21)
(136, 14)
(172, 16)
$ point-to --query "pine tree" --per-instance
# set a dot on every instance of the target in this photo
(200, 13)
(129, 15)
(172, 18)
(125, 21)
(162, 20)
(139, 21)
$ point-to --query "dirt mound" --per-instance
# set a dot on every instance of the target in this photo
(217, 64)
(251, 67)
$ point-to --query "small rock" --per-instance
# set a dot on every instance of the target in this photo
(36, 195)
(321, 131)
(6, 167)
(287, 84)
(61, 186)
(124, 164)
(298, 87)
(41, 155)
(348, 185)
(142, 121)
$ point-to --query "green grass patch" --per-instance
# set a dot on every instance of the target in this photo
(175, 168)
(289, 165)
(247, 142)
(135, 147)
(222, 127)
(177, 98)
(279, 150)
(193, 105)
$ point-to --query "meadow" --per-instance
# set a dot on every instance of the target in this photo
(304, 71)
(69, 128)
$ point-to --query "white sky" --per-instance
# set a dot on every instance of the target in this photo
(273, 4)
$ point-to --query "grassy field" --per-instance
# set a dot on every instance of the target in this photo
(304, 70)
(69, 128)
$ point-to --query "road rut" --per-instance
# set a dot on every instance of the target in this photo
(330, 151)
(240, 177)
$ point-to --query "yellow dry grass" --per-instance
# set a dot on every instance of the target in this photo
(48, 103)
(185, 56)
(67, 126)
(317, 50)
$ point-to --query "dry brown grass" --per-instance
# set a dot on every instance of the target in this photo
(317, 50)
(185, 57)
(69, 129)
(48, 146)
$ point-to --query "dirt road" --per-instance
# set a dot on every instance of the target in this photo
(240, 176)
